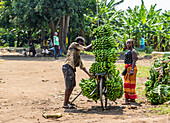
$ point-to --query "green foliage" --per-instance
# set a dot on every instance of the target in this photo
(166, 55)
(158, 86)
(148, 49)
(32, 15)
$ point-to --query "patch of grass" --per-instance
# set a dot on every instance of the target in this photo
(139, 84)
(148, 114)
(160, 110)
(52, 95)
(87, 52)
(2, 60)
(120, 67)
(139, 88)
(143, 71)
(140, 92)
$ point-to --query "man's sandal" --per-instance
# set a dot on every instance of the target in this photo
(68, 106)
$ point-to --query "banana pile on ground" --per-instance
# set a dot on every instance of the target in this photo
(158, 85)
(105, 57)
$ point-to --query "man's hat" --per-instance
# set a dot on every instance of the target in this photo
(80, 38)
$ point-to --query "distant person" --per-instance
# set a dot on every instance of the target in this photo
(45, 46)
(56, 45)
(50, 44)
(31, 48)
(24, 53)
(73, 60)
(142, 43)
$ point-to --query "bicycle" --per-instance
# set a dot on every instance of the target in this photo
(101, 78)
(101, 88)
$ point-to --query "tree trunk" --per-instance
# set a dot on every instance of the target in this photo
(53, 28)
(149, 43)
(155, 41)
(29, 34)
(42, 32)
(64, 23)
(67, 19)
(82, 33)
(61, 29)
(56, 25)
(18, 39)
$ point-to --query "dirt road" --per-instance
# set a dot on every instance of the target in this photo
(31, 86)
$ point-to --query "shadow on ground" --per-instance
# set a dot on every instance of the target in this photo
(112, 110)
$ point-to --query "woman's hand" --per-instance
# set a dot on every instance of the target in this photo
(131, 72)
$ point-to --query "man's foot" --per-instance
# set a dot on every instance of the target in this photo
(68, 106)
(71, 103)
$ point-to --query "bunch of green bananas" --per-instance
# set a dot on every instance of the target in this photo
(103, 43)
(101, 55)
(87, 86)
(106, 29)
(109, 55)
(114, 86)
(99, 67)
(106, 56)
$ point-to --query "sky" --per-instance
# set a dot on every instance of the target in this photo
(161, 4)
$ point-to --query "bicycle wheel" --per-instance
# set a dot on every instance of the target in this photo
(103, 99)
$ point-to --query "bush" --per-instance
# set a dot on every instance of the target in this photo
(148, 49)
(158, 86)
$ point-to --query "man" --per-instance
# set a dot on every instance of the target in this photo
(73, 60)
(56, 45)
(142, 44)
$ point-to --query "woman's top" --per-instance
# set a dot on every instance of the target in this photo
(128, 57)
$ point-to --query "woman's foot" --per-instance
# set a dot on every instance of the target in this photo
(132, 100)
(126, 102)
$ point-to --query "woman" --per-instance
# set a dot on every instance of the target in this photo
(130, 77)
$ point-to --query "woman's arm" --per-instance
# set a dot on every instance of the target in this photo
(134, 59)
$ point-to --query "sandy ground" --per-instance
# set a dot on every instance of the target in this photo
(30, 86)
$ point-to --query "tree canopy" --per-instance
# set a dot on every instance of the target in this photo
(24, 19)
